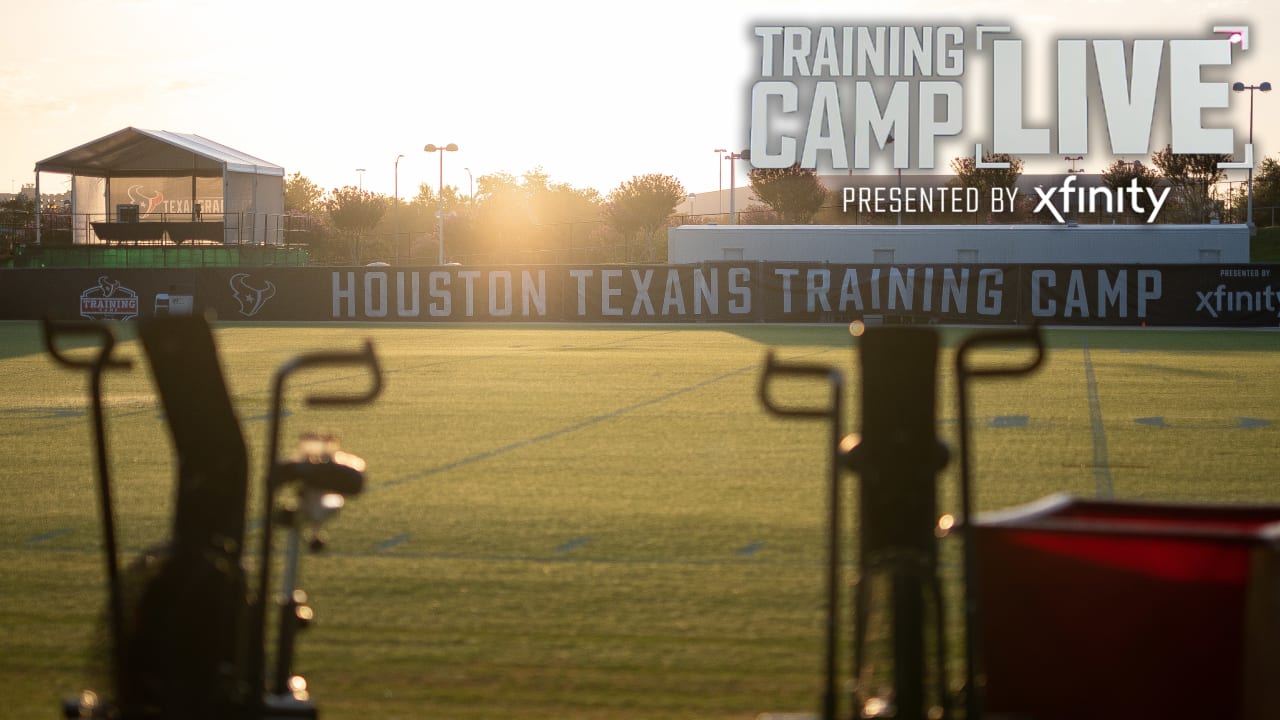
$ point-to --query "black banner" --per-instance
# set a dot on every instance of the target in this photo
(729, 292)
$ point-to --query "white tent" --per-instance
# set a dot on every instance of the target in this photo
(194, 187)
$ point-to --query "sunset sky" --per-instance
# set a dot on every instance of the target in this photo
(594, 93)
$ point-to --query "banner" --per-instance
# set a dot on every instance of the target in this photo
(727, 292)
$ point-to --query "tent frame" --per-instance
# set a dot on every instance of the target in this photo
(138, 153)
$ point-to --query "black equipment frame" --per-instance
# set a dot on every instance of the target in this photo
(226, 674)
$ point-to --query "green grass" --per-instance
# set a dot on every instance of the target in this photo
(587, 522)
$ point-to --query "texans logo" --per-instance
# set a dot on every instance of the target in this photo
(250, 298)
(107, 287)
(146, 203)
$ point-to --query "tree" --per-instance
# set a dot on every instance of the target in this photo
(301, 196)
(641, 206)
(504, 220)
(1121, 174)
(509, 218)
(1192, 178)
(563, 216)
(423, 213)
(794, 193)
(17, 211)
(16, 219)
(969, 175)
(1266, 192)
(354, 213)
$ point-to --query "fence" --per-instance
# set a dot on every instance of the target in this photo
(154, 256)
(159, 240)
(64, 238)
(64, 228)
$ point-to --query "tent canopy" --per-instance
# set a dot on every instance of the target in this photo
(171, 178)
(140, 153)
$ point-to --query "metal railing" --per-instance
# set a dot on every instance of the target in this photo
(62, 228)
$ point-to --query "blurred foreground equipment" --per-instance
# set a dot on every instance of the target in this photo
(187, 632)
(1072, 608)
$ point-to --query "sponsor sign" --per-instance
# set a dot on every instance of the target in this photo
(724, 292)
(838, 97)
(108, 300)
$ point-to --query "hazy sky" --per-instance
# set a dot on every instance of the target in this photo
(594, 92)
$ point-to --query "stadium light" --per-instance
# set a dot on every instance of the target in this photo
(442, 149)
(733, 157)
(1073, 159)
(1241, 87)
(720, 163)
(395, 217)
(890, 142)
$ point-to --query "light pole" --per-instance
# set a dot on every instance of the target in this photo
(1138, 171)
(720, 163)
(361, 171)
(900, 199)
(733, 157)
(451, 147)
(1073, 159)
(395, 215)
(471, 183)
(1241, 87)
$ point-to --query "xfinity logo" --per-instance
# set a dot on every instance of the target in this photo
(1101, 199)
(1220, 300)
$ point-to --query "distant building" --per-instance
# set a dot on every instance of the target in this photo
(58, 202)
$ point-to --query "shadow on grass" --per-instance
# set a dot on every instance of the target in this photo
(19, 338)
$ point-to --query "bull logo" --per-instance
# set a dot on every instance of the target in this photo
(146, 203)
(251, 298)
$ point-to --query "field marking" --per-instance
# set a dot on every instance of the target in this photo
(47, 536)
(1238, 423)
(558, 432)
(573, 544)
(1101, 468)
(390, 543)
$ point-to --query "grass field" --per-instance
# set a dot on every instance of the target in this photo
(588, 522)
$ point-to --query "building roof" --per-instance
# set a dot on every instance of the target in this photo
(133, 152)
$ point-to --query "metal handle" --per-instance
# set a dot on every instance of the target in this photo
(1000, 337)
(774, 368)
(55, 330)
(964, 374)
(366, 358)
